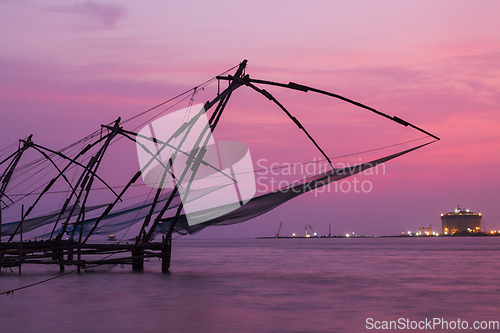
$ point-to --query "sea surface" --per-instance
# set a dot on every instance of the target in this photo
(268, 285)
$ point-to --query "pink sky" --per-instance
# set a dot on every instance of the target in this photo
(67, 67)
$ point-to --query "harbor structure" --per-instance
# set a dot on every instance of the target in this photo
(459, 220)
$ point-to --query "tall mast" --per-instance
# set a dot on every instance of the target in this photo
(8, 174)
(222, 98)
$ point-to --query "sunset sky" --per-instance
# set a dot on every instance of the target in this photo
(69, 66)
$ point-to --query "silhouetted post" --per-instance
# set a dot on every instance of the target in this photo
(70, 253)
(137, 257)
(138, 260)
(21, 235)
(1, 221)
(166, 252)
(61, 266)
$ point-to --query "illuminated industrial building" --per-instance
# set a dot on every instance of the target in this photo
(460, 220)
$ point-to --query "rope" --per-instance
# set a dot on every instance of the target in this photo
(34, 284)
(181, 94)
(52, 278)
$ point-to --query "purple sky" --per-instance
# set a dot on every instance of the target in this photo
(67, 67)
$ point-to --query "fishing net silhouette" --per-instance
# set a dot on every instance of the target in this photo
(172, 204)
(264, 203)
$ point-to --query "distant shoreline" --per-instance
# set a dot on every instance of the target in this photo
(479, 234)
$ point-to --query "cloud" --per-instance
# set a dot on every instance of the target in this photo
(105, 15)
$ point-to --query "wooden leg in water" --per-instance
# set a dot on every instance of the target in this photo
(165, 261)
(61, 259)
(56, 256)
(138, 260)
(166, 252)
(70, 254)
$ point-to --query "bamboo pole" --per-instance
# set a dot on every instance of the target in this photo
(21, 236)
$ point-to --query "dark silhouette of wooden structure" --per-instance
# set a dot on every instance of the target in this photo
(78, 250)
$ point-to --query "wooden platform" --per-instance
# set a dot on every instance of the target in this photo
(72, 253)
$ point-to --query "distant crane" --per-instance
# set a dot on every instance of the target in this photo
(427, 231)
(277, 235)
(329, 230)
(312, 231)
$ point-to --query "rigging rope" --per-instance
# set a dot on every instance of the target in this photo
(52, 278)
(181, 94)
(238, 173)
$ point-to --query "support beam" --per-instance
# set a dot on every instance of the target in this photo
(87, 179)
(21, 240)
(155, 200)
(223, 98)
(166, 252)
(295, 86)
(8, 174)
(138, 258)
(295, 120)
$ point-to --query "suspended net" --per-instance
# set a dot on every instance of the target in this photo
(186, 180)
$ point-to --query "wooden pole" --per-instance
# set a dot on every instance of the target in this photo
(166, 251)
(0, 219)
(21, 236)
(137, 257)
(82, 211)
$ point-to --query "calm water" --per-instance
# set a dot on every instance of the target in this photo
(276, 285)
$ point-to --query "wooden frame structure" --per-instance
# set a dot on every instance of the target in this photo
(82, 253)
